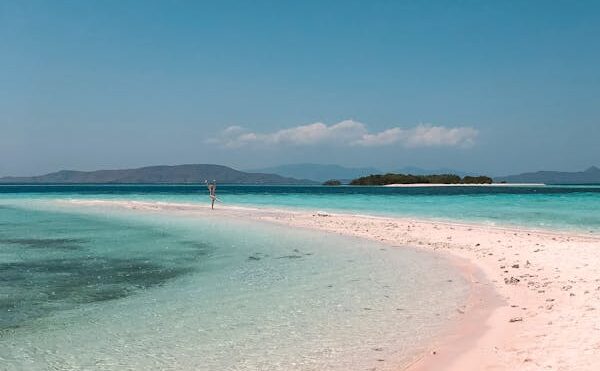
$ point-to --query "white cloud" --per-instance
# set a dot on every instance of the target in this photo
(429, 136)
(386, 137)
(350, 133)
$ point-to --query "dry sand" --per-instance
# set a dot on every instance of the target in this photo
(545, 314)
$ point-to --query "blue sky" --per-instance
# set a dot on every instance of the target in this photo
(495, 87)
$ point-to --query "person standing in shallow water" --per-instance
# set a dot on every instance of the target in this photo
(212, 190)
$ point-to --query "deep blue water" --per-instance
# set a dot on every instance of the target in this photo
(190, 189)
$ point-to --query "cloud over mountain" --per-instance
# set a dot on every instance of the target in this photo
(350, 133)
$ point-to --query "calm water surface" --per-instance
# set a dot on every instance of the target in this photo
(107, 289)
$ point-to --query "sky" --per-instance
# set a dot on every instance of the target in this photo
(491, 87)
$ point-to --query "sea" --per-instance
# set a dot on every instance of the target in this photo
(107, 288)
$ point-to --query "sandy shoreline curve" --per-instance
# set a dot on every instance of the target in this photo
(543, 314)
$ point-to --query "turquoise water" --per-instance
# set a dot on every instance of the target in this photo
(556, 207)
(101, 288)
(105, 288)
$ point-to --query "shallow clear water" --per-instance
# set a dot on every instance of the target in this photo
(101, 288)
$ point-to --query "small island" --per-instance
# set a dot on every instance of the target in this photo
(332, 182)
(391, 178)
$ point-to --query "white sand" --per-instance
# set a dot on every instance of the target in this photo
(417, 185)
(548, 284)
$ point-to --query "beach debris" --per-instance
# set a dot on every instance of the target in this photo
(511, 281)
(323, 213)
(515, 265)
(289, 257)
(566, 287)
(515, 319)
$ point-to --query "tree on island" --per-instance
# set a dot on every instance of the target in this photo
(332, 182)
(391, 178)
(482, 179)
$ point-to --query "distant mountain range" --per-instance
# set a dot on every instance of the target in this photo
(420, 171)
(160, 174)
(285, 174)
(318, 172)
(321, 173)
(589, 176)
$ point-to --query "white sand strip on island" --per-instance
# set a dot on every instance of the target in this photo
(548, 283)
(418, 185)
